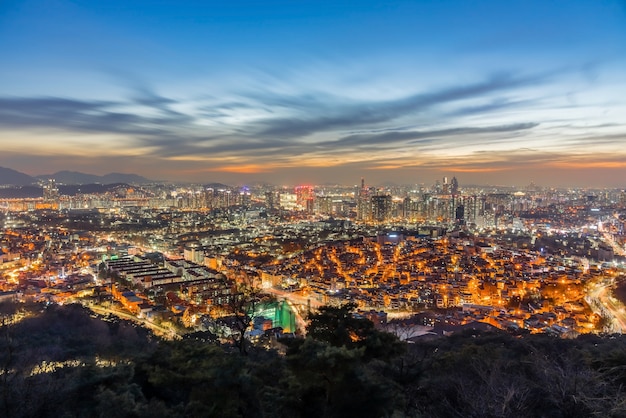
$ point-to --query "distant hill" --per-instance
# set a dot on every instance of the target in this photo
(75, 177)
(217, 186)
(15, 178)
(71, 177)
(124, 178)
(74, 189)
(21, 192)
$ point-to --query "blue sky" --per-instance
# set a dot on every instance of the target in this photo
(493, 92)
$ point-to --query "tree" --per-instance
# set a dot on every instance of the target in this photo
(202, 379)
(102, 271)
(8, 349)
(340, 326)
(55, 358)
(241, 308)
(332, 381)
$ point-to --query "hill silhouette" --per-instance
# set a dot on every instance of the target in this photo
(63, 361)
(12, 177)
(76, 177)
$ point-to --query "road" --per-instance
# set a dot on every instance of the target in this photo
(295, 298)
(617, 249)
(602, 301)
(159, 330)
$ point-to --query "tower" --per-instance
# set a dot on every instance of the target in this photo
(459, 215)
(50, 190)
(305, 198)
(381, 208)
(363, 211)
(269, 200)
(454, 187)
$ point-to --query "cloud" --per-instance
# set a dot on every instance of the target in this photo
(494, 105)
(151, 115)
(314, 116)
(419, 137)
(263, 128)
(76, 115)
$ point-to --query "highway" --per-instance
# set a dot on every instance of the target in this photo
(617, 249)
(602, 301)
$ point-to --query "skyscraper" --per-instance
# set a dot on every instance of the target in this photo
(381, 208)
(459, 215)
(363, 207)
(270, 201)
(305, 198)
(50, 190)
(454, 187)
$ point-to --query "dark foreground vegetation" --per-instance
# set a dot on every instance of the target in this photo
(61, 362)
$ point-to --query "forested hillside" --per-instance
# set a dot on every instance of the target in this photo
(63, 361)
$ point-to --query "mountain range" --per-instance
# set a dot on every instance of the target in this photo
(12, 177)
(15, 178)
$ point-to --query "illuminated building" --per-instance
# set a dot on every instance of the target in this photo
(325, 205)
(454, 187)
(305, 198)
(459, 215)
(363, 204)
(381, 207)
(288, 201)
(244, 197)
(50, 191)
(270, 200)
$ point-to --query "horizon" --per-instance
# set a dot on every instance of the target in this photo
(317, 92)
(257, 183)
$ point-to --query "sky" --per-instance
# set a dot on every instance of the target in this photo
(298, 91)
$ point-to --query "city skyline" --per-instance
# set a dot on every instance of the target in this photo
(317, 92)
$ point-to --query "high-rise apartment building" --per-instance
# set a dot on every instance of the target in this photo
(363, 204)
(50, 190)
(381, 207)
